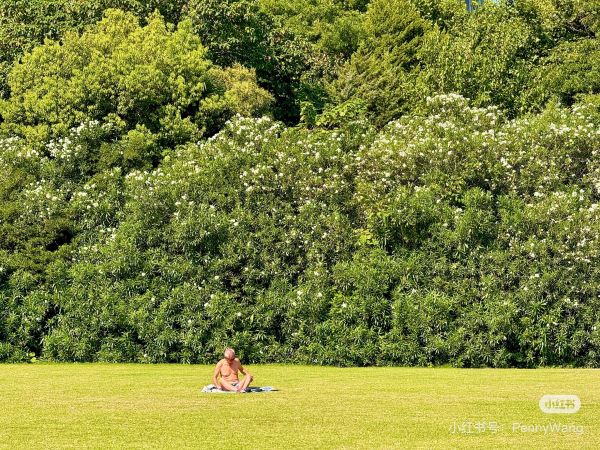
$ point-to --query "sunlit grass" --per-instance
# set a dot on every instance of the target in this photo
(161, 406)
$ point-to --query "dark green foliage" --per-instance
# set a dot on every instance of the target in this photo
(513, 56)
(381, 73)
(453, 236)
(486, 56)
(333, 27)
(571, 70)
(516, 56)
(152, 210)
(238, 31)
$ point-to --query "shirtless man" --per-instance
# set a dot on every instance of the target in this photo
(228, 369)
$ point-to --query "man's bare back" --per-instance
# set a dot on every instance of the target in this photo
(227, 370)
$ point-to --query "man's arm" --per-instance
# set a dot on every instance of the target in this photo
(216, 374)
(245, 372)
(247, 379)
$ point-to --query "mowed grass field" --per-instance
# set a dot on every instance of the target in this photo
(160, 406)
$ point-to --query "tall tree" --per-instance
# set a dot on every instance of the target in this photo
(382, 71)
(25, 24)
(239, 31)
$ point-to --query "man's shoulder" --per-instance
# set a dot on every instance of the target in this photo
(220, 361)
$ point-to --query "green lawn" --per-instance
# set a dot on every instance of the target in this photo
(161, 406)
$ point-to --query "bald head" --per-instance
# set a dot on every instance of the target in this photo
(229, 353)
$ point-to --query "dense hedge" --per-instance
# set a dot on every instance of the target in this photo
(453, 236)
(436, 204)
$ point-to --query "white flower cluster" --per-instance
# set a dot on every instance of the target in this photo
(67, 148)
(41, 200)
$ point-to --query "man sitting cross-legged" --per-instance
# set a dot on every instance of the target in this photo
(227, 369)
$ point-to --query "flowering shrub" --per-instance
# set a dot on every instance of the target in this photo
(454, 235)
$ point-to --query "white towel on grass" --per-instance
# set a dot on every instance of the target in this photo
(212, 389)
